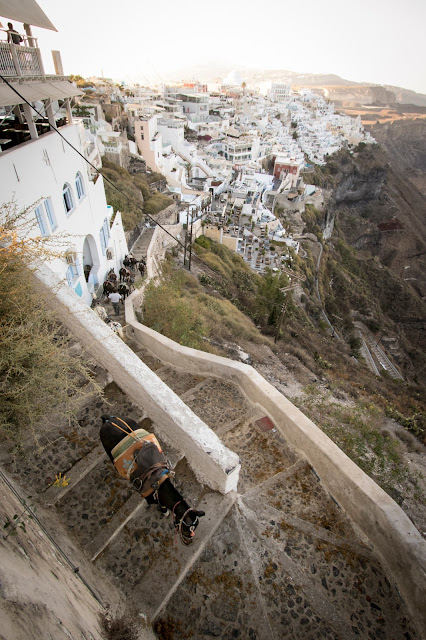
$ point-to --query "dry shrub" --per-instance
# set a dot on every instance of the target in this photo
(123, 628)
(176, 306)
(39, 373)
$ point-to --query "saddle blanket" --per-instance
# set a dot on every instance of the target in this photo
(140, 459)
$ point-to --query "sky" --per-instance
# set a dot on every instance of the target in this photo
(134, 40)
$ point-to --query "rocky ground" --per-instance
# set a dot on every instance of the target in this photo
(293, 379)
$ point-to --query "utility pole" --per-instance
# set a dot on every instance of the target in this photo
(186, 243)
(190, 244)
(185, 248)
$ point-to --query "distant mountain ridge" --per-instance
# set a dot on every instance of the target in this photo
(209, 72)
(335, 87)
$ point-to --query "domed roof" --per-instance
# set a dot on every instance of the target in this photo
(233, 79)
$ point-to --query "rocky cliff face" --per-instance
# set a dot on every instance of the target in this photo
(404, 141)
(377, 210)
(360, 185)
(382, 212)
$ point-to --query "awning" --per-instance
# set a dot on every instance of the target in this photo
(32, 91)
(26, 11)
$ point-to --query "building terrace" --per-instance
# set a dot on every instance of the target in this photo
(26, 82)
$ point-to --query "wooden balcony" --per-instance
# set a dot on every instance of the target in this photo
(17, 61)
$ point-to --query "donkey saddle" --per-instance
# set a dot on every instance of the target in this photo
(139, 458)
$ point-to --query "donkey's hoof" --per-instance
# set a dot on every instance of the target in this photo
(163, 510)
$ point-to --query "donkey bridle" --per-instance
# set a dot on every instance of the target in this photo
(185, 539)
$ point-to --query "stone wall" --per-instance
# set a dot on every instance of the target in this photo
(160, 242)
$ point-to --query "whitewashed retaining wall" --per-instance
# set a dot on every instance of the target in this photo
(211, 461)
(160, 242)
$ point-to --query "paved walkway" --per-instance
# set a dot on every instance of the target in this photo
(139, 251)
(279, 559)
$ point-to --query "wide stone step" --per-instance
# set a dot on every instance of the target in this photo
(332, 586)
(179, 381)
(219, 596)
(267, 575)
(263, 454)
(147, 556)
(141, 245)
(218, 403)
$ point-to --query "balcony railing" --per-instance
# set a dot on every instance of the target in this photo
(16, 60)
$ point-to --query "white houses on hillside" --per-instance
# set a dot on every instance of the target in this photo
(43, 172)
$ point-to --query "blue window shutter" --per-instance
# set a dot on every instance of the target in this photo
(79, 290)
(41, 221)
(102, 238)
(106, 229)
(49, 213)
(69, 276)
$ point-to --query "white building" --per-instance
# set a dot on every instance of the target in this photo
(44, 173)
(195, 106)
(278, 92)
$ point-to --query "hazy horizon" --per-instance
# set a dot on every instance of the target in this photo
(374, 43)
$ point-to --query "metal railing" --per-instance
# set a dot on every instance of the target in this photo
(16, 60)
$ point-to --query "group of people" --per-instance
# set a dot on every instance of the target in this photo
(117, 288)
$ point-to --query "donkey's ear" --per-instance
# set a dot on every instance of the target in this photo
(200, 513)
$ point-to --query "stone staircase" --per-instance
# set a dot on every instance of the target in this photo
(140, 248)
(139, 251)
(277, 560)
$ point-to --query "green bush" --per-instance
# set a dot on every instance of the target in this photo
(134, 197)
(156, 202)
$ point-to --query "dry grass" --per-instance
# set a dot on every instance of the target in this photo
(177, 307)
(359, 430)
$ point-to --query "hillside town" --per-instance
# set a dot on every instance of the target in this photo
(227, 154)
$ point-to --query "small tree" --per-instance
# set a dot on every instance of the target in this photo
(188, 169)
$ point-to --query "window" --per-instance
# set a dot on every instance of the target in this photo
(50, 214)
(79, 185)
(41, 219)
(104, 236)
(71, 275)
(68, 199)
(45, 217)
(74, 271)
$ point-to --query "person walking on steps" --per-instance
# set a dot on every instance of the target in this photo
(115, 298)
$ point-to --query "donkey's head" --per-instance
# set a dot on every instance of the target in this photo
(186, 522)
